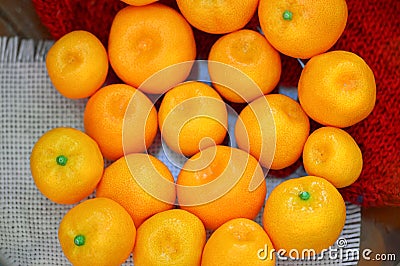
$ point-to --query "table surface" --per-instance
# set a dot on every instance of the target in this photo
(380, 228)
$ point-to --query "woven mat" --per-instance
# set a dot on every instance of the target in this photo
(29, 107)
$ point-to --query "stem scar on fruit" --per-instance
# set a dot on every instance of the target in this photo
(61, 160)
(79, 240)
(287, 15)
(304, 195)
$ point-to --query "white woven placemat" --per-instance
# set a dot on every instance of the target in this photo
(29, 107)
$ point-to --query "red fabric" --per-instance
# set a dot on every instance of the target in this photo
(372, 32)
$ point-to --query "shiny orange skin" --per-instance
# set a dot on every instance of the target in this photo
(214, 178)
(107, 230)
(249, 52)
(135, 181)
(77, 64)
(77, 174)
(139, 50)
(302, 29)
(337, 89)
(173, 237)
(218, 17)
(300, 222)
(121, 119)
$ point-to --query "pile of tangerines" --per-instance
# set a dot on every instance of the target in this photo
(139, 206)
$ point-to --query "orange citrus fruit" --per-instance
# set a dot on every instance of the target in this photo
(66, 165)
(138, 2)
(135, 182)
(337, 89)
(333, 154)
(273, 129)
(120, 119)
(173, 237)
(97, 232)
(218, 17)
(238, 242)
(144, 40)
(302, 29)
(302, 214)
(192, 116)
(214, 178)
(249, 52)
(77, 64)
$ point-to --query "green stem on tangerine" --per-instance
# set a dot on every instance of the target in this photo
(287, 15)
(61, 160)
(79, 240)
(304, 195)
